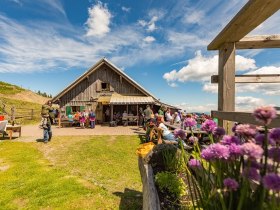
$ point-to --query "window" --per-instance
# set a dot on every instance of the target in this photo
(105, 86)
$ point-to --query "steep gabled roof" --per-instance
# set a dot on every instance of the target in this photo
(94, 68)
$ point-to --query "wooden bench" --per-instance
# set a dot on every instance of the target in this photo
(10, 129)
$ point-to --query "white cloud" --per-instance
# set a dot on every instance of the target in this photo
(99, 20)
(193, 17)
(126, 9)
(247, 103)
(173, 84)
(182, 40)
(206, 108)
(149, 25)
(200, 68)
(149, 39)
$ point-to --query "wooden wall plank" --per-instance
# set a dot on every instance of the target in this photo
(248, 18)
(252, 78)
(242, 117)
(226, 85)
(259, 42)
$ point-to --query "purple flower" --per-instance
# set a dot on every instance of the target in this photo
(194, 163)
(265, 114)
(274, 154)
(260, 138)
(231, 184)
(245, 130)
(189, 122)
(215, 151)
(227, 140)
(208, 126)
(179, 133)
(252, 150)
(218, 131)
(271, 182)
(193, 139)
(275, 135)
(235, 150)
(251, 173)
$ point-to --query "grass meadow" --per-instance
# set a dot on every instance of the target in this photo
(99, 172)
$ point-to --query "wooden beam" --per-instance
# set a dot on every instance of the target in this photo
(259, 42)
(251, 78)
(226, 84)
(243, 117)
(248, 18)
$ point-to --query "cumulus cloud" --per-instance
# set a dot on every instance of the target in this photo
(200, 68)
(206, 108)
(99, 20)
(247, 103)
(149, 39)
(126, 9)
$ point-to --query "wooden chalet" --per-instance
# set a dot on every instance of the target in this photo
(105, 87)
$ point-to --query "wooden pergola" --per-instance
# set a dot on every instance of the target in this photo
(232, 37)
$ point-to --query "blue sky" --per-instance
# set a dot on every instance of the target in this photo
(47, 44)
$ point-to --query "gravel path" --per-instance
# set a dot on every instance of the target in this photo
(31, 133)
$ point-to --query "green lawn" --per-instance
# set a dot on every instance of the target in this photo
(98, 172)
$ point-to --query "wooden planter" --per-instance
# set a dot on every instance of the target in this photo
(150, 195)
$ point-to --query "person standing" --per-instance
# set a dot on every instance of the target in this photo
(47, 128)
(92, 119)
(147, 115)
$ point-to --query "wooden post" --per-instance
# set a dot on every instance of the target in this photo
(226, 84)
(112, 112)
(137, 115)
(32, 114)
(13, 114)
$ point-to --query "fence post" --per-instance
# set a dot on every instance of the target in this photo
(13, 114)
(32, 114)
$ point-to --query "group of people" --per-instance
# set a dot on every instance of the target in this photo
(83, 118)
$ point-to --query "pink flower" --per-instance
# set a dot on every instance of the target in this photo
(208, 126)
(231, 184)
(227, 140)
(189, 122)
(218, 131)
(215, 151)
(252, 150)
(272, 182)
(194, 163)
(265, 114)
(179, 133)
(275, 135)
(246, 130)
(193, 139)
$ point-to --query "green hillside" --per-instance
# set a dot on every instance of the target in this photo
(6, 88)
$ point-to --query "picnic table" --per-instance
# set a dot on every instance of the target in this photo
(177, 126)
(130, 119)
(7, 128)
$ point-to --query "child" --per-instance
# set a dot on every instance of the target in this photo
(82, 119)
(92, 119)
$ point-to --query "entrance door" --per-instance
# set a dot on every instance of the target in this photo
(106, 113)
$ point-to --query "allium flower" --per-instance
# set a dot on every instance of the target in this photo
(235, 150)
(252, 150)
(215, 151)
(265, 114)
(251, 173)
(275, 135)
(230, 184)
(194, 163)
(179, 133)
(208, 126)
(274, 154)
(227, 140)
(193, 139)
(245, 130)
(218, 131)
(272, 182)
(260, 138)
(189, 122)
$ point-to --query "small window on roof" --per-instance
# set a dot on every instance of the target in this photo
(105, 86)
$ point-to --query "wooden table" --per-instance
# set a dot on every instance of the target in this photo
(176, 126)
(13, 128)
(130, 119)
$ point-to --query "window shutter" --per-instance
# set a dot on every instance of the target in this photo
(98, 86)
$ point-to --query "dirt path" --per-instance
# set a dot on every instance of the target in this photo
(32, 132)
